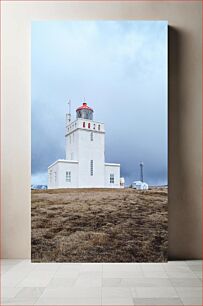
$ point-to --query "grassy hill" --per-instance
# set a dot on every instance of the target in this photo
(99, 225)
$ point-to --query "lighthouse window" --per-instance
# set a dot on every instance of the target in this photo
(68, 176)
(112, 178)
(91, 136)
(91, 167)
(83, 124)
(94, 126)
(99, 127)
(88, 125)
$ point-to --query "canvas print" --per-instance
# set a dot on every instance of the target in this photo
(99, 188)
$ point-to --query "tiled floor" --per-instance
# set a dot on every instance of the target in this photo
(172, 283)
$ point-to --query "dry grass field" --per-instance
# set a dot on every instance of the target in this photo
(99, 225)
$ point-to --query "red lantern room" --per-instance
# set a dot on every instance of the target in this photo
(84, 112)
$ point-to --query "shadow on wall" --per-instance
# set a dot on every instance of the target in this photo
(184, 228)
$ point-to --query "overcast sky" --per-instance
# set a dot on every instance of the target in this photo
(120, 67)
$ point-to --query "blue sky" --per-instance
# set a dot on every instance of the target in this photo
(120, 67)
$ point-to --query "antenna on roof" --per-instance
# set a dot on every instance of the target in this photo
(141, 171)
(68, 116)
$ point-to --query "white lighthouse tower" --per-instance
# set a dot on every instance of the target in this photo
(84, 166)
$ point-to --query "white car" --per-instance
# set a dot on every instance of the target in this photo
(140, 185)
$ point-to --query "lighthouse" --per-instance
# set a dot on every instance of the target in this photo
(84, 166)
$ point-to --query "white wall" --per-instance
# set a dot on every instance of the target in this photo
(52, 182)
(72, 136)
(60, 167)
(91, 150)
(112, 169)
(68, 166)
(72, 148)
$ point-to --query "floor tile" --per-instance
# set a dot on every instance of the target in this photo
(50, 267)
(193, 262)
(193, 301)
(115, 292)
(70, 267)
(91, 282)
(112, 282)
(175, 268)
(11, 261)
(155, 274)
(178, 274)
(90, 274)
(21, 301)
(198, 274)
(158, 301)
(189, 291)
(185, 282)
(69, 301)
(37, 279)
(27, 292)
(123, 274)
(176, 263)
(153, 267)
(94, 267)
(9, 292)
(122, 267)
(61, 282)
(15, 275)
(4, 301)
(196, 268)
(67, 273)
(72, 292)
(154, 292)
(147, 282)
(117, 301)
(6, 268)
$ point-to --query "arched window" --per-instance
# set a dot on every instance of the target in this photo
(91, 136)
(88, 125)
(83, 124)
(99, 127)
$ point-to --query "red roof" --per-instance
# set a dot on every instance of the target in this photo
(84, 106)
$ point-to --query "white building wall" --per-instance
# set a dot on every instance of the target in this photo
(83, 147)
(91, 150)
(53, 176)
(115, 170)
(60, 167)
(72, 135)
(72, 141)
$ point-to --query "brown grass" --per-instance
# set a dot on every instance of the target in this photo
(99, 225)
